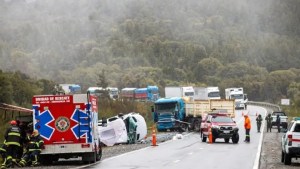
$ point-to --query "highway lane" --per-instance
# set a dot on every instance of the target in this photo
(190, 152)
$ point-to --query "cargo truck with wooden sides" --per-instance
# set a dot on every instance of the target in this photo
(177, 113)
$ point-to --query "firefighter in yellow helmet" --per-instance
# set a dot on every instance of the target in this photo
(33, 151)
(12, 138)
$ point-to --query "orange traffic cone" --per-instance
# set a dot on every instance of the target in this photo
(209, 136)
(154, 136)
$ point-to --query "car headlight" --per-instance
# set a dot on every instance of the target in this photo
(215, 127)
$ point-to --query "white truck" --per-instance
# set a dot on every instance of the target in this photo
(206, 93)
(239, 96)
(172, 91)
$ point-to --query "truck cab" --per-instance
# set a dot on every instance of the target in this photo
(238, 95)
(213, 93)
(168, 113)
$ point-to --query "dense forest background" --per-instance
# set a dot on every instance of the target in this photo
(233, 43)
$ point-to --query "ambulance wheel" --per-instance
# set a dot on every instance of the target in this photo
(46, 159)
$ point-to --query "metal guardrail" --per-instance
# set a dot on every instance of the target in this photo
(275, 107)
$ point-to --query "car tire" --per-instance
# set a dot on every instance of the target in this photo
(287, 159)
(282, 156)
(235, 138)
(226, 140)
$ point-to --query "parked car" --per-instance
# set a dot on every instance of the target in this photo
(290, 142)
(222, 126)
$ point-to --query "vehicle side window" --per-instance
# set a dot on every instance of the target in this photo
(297, 128)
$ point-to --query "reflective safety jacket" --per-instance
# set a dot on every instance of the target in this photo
(247, 123)
(13, 136)
(3, 149)
(35, 143)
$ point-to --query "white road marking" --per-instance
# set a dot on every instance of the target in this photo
(256, 162)
(191, 153)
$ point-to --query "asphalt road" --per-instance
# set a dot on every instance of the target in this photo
(190, 152)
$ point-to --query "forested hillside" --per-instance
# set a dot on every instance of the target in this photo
(253, 44)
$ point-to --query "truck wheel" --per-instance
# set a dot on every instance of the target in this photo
(287, 159)
(226, 140)
(282, 156)
(235, 138)
(203, 137)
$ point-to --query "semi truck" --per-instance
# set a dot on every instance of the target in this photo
(238, 95)
(150, 93)
(68, 126)
(206, 93)
(173, 91)
(177, 113)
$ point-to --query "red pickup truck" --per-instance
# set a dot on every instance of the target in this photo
(222, 126)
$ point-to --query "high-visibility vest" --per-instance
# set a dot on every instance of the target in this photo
(13, 136)
(247, 123)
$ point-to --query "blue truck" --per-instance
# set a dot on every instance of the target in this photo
(169, 114)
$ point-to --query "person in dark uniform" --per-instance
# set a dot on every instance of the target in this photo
(3, 151)
(278, 123)
(258, 122)
(34, 148)
(12, 141)
(269, 122)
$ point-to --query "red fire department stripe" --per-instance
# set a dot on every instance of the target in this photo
(296, 140)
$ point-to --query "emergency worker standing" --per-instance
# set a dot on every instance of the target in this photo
(12, 138)
(33, 150)
(278, 123)
(247, 125)
(258, 122)
(269, 122)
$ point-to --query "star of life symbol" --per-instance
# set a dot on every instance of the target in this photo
(43, 120)
(62, 124)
